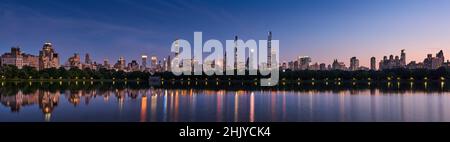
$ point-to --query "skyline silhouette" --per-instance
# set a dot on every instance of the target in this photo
(324, 30)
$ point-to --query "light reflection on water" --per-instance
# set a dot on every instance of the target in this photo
(200, 105)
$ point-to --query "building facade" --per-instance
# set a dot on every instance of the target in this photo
(373, 63)
(74, 62)
(304, 62)
(338, 65)
(393, 63)
(19, 59)
(354, 64)
(434, 62)
(48, 58)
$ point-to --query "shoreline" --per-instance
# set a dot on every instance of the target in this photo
(209, 80)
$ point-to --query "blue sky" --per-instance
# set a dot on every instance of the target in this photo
(322, 29)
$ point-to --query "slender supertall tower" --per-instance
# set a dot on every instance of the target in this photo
(225, 62)
(235, 52)
(269, 50)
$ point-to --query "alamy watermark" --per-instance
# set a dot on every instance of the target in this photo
(263, 58)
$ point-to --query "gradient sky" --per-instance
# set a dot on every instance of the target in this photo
(322, 29)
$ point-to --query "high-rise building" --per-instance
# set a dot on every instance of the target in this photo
(48, 58)
(392, 63)
(291, 65)
(164, 65)
(225, 62)
(106, 64)
(88, 62)
(19, 59)
(323, 66)
(413, 65)
(121, 64)
(403, 58)
(373, 63)
(144, 62)
(74, 62)
(133, 66)
(269, 50)
(235, 52)
(284, 65)
(434, 62)
(338, 65)
(87, 59)
(354, 64)
(314, 67)
(154, 61)
(304, 62)
(169, 64)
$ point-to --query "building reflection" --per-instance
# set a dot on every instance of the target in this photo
(163, 104)
(144, 108)
(16, 102)
(47, 101)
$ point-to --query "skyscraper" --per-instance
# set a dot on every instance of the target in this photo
(392, 63)
(338, 65)
(269, 50)
(120, 65)
(354, 64)
(144, 62)
(225, 62)
(48, 58)
(106, 64)
(235, 52)
(154, 61)
(403, 58)
(74, 61)
(434, 62)
(87, 59)
(304, 62)
(133, 66)
(323, 66)
(373, 63)
(169, 64)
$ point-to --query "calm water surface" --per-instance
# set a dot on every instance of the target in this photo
(142, 103)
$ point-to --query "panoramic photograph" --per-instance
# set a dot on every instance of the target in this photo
(224, 62)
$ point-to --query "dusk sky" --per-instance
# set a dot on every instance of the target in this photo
(322, 29)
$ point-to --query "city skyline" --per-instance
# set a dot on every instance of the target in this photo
(316, 29)
(48, 57)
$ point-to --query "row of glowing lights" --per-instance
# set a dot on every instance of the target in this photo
(313, 79)
(76, 78)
